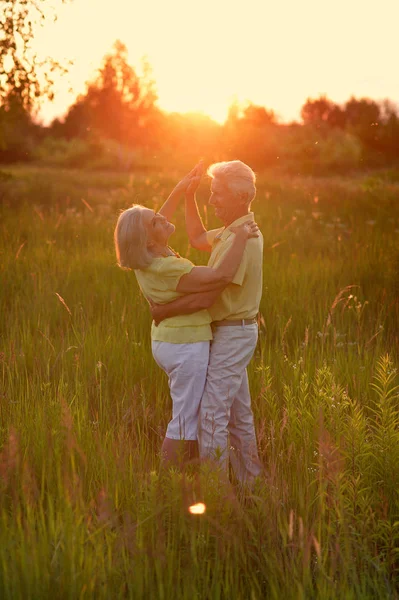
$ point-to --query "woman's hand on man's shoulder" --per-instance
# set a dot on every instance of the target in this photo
(246, 230)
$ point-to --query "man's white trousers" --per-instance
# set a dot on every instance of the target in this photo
(226, 425)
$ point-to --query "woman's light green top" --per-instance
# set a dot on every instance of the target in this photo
(159, 282)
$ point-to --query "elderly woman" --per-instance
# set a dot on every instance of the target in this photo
(180, 344)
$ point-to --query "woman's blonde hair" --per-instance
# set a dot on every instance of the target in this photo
(131, 240)
(237, 176)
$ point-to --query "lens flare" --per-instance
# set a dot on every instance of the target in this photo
(197, 509)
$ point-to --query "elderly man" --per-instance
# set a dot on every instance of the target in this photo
(225, 409)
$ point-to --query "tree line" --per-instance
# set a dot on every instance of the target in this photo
(117, 122)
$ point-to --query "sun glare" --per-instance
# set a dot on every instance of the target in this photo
(273, 54)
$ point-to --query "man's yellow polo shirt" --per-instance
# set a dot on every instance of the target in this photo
(159, 282)
(241, 298)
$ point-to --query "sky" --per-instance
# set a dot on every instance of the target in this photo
(208, 53)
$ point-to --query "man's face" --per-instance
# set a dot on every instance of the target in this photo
(222, 200)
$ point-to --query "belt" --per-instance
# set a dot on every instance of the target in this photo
(236, 322)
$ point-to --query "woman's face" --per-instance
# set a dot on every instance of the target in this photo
(158, 227)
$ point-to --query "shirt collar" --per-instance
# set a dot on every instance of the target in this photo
(226, 233)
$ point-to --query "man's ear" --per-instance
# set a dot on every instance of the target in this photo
(243, 196)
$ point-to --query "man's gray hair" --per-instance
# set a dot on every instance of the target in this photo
(131, 240)
(237, 176)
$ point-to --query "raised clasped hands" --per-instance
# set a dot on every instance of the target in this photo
(190, 183)
(247, 230)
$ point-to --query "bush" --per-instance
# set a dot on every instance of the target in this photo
(18, 135)
(94, 154)
(316, 151)
(63, 153)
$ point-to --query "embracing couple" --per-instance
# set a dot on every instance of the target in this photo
(205, 329)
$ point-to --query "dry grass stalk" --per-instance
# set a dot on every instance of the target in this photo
(338, 298)
(61, 299)
(283, 340)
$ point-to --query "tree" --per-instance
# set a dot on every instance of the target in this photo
(251, 132)
(249, 114)
(388, 130)
(18, 133)
(118, 105)
(362, 113)
(257, 116)
(322, 112)
(363, 118)
(24, 78)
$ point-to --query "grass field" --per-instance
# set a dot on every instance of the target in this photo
(84, 510)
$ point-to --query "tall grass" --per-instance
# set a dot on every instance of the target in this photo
(85, 510)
